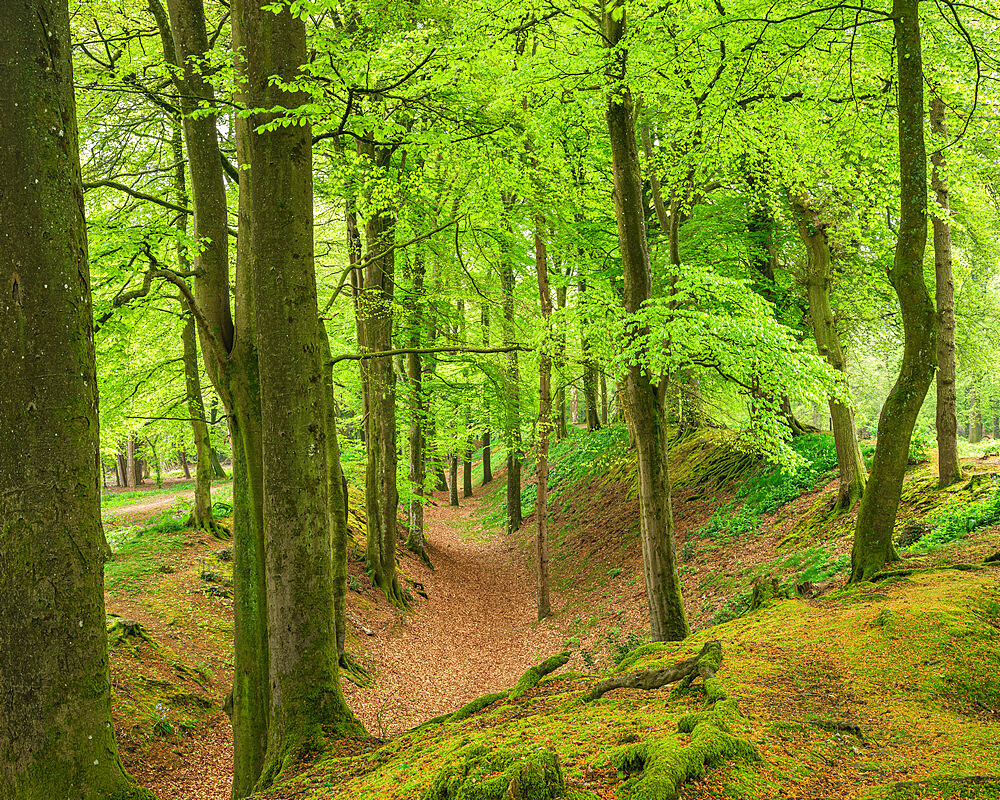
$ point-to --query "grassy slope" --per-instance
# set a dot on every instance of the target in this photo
(912, 662)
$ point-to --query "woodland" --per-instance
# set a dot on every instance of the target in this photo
(503, 400)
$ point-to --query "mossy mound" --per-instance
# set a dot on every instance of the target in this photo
(975, 787)
(481, 773)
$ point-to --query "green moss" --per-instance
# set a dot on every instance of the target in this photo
(480, 773)
(970, 788)
(529, 680)
(475, 706)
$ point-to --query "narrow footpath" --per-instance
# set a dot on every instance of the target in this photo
(475, 633)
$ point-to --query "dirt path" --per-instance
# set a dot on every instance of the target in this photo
(136, 512)
(476, 633)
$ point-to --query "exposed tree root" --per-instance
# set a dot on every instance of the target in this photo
(499, 774)
(703, 665)
(529, 680)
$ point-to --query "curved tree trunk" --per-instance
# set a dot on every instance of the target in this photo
(873, 546)
(949, 465)
(850, 462)
(642, 403)
(56, 739)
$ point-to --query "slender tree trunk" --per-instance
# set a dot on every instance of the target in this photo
(133, 469)
(487, 437)
(201, 515)
(512, 426)
(589, 369)
(231, 362)
(415, 541)
(453, 480)
(975, 415)
(121, 470)
(336, 498)
(56, 739)
(544, 424)
(604, 399)
(561, 425)
(851, 464)
(306, 699)
(949, 465)
(873, 546)
(381, 492)
(643, 404)
(467, 470)
(185, 465)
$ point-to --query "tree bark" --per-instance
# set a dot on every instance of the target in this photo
(56, 739)
(949, 465)
(561, 425)
(642, 401)
(544, 424)
(850, 462)
(873, 546)
(453, 479)
(306, 701)
(589, 368)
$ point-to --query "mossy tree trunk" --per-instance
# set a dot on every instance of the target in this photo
(56, 738)
(946, 417)
(544, 424)
(819, 275)
(306, 701)
(641, 398)
(873, 545)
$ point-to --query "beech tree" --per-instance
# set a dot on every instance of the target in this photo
(56, 738)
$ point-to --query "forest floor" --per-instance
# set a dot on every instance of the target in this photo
(475, 632)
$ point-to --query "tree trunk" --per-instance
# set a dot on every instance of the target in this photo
(133, 466)
(201, 515)
(544, 423)
(975, 415)
(873, 546)
(949, 465)
(419, 407)
(604, 399)
(589, 369)
(306, 702)
(56, 739)
(381, 493)
(643, 404)
(487, 439)
(336, 500)
(453, 480)
(121, 470)
(185, 465)
(561, 426)
(467, 469)
(851, 464)
(512, 423)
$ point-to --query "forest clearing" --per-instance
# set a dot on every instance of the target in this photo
(499, 401)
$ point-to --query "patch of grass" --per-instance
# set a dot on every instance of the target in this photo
(956, 520)
(118, 499)
(139, 552)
